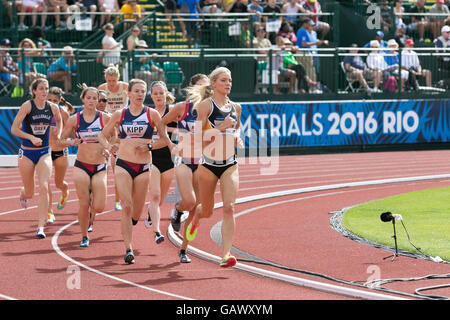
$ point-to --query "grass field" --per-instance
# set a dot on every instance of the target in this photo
(426, 215)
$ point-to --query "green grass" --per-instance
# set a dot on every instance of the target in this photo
(426, 215)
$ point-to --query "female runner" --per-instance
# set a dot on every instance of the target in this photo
(117, 96)
(136, 123)
(186, 161)
(161, 175)
(89, 171)
(220, 120)
(58, 153)
(31, 124)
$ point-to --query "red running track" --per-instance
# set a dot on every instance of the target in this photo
(293, 230)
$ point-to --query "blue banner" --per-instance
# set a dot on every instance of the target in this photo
(315, 124)
(342, 123)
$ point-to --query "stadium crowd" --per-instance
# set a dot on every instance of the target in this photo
(296, 33)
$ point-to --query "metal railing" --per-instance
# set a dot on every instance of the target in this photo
(255, 70)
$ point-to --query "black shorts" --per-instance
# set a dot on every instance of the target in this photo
(59, 154)
(163, 164)
(218, 167)
(190, 163)
(90, 169)
(162, 159)
(134, 169)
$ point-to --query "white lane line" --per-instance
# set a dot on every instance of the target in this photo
(2, 296)
(62, 254)
(297, 280)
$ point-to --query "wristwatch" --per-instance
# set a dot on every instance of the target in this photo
(149, 147)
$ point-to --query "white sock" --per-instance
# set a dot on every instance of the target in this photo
(40, 230)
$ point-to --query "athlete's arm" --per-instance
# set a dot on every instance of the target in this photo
(109, 131)
(67, 133)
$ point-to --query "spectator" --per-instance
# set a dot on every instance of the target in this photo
(9, 70)
(112, 55)
(278, 64)
(111, 7)
(58, 6)
(314, 43)
(357, 69)
(443, 42)
(385, 15)
(375, 59)
(27, 64)
(37, 36)
(398, 10)
(379, 38)
(146, 67)
(304, 83)
(8, 4)
(313, 7)
(261, 42)
(392, 61)
(256, 8)
(287, 32)
(271, 16)
(171, 7)
(400, 34)
(62, 68)
(410, 62)
(292, 7)
(305, 40)
(132, 11)
(133, 38)
(92, 6)
(438, 22)
(34, 6)
(419, 23)
(190, 28)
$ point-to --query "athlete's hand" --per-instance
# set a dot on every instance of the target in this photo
(142, 148)
(113, 148)
(75, 142)
(106, 153)
(228, 122)
(36, 141)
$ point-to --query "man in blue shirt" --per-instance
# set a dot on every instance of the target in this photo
(189, 28)
(62, 68)
(379, 37)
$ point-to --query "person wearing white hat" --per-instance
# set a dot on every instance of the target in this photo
(146, 67)
(392, 60)
(443, 41)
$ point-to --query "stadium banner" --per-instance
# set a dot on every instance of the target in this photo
(314, 124)
(345, 123)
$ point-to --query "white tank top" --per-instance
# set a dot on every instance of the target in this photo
(116, 100)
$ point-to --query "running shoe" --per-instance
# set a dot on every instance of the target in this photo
(40, 234)
(191, 232)
(148, 219)
(159, 238)
(117, 206)
(90, 228)
(183, 257)
(50, 218)
(228, 261)
(84, 242)
(175, 219)
(129, 257)
(62, 201)
(23, 203)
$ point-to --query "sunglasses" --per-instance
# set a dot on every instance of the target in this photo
(103, 100)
